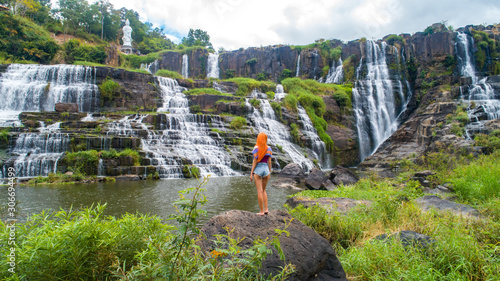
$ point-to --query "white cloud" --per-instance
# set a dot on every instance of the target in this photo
(238, 23)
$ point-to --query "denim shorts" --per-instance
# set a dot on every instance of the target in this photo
(261, 169)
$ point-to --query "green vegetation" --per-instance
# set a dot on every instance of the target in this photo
(197, 37)
(463, 248)
(277, 109)
(74, 51)
(205, 91)
(391, 39)
(109, 90)
(491, 142)
(87, 245)
(255, 102)
(487, 48)
(247, 85)
(112, 153)
(21, 39)
(290, 103)
(4, 137)
(238, 122)
(168, 73)
(295, 133)
(84, 162)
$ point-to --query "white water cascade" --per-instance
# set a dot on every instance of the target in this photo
(280, 92)
(297, 72)
(39, 87)
(265, 120)
(185, 66)
(336, 73)
(37, 154)
(374, 104)
(317, 145)
(213, 65)
(480, 92)
(151, 67)
(185, 138)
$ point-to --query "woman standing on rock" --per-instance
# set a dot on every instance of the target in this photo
(261, 168)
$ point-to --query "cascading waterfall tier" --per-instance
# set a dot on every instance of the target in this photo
(151, 67)
(487, 102)
(297, 72)
(37, 154)
(40, 87)
(375, 106)
(265, 120)
(185, 138)
(213, 65)
(280, 92)
(185, 66)
(336, 73)
(317, 145)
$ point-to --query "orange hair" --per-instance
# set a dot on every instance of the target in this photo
(262, 145)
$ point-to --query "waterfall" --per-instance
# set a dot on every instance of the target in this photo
(297, 73)
(336, 74)
(265, 120)
(280, 92)
(39, 87)
(486, 100)
(317, 145)
(37, 154)
(185, 66)
(375, 106)
(151, 67)
(213, 65)
(185, 138)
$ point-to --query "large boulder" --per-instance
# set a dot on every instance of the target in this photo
(293, 171)
(317, 180)
(341, 175)
(311, 254)
(341, 205)
(429, 202)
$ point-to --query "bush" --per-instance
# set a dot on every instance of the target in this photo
(255, 102)
(277, 109)
(205, 91)
(4, 137)
(168, 73)
(238, 123)
(247, 85)
(313, 102)
(74, 51)
(85, 162)
(109, 90)
(342, 99)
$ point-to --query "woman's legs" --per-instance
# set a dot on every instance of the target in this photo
(261, 193)
(264, 193)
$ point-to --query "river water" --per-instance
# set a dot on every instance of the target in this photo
(146, 197)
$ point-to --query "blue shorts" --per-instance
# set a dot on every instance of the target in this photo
(262, 169)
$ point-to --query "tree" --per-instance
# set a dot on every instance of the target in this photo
(197, 37)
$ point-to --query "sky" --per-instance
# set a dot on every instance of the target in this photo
(232, 24)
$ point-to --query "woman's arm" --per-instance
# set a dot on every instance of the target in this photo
(270, 165)
(253, 168)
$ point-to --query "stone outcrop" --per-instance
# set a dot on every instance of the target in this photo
(341, 175)
(433, 202)
(197, 62)
(317, 180)
(408, 238)
(341, 205)
(311, 254)
(137, 90)
(66, 107)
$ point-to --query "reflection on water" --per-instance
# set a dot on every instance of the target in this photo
(147, 197)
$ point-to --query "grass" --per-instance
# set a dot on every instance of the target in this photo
(464, 248)
(247, 85)
(168, 73)
(206, 91)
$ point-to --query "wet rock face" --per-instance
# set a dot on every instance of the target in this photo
(312, 255)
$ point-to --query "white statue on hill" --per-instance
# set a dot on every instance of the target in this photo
(127, 34)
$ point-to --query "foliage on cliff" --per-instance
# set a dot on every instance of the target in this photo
(21, 39)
